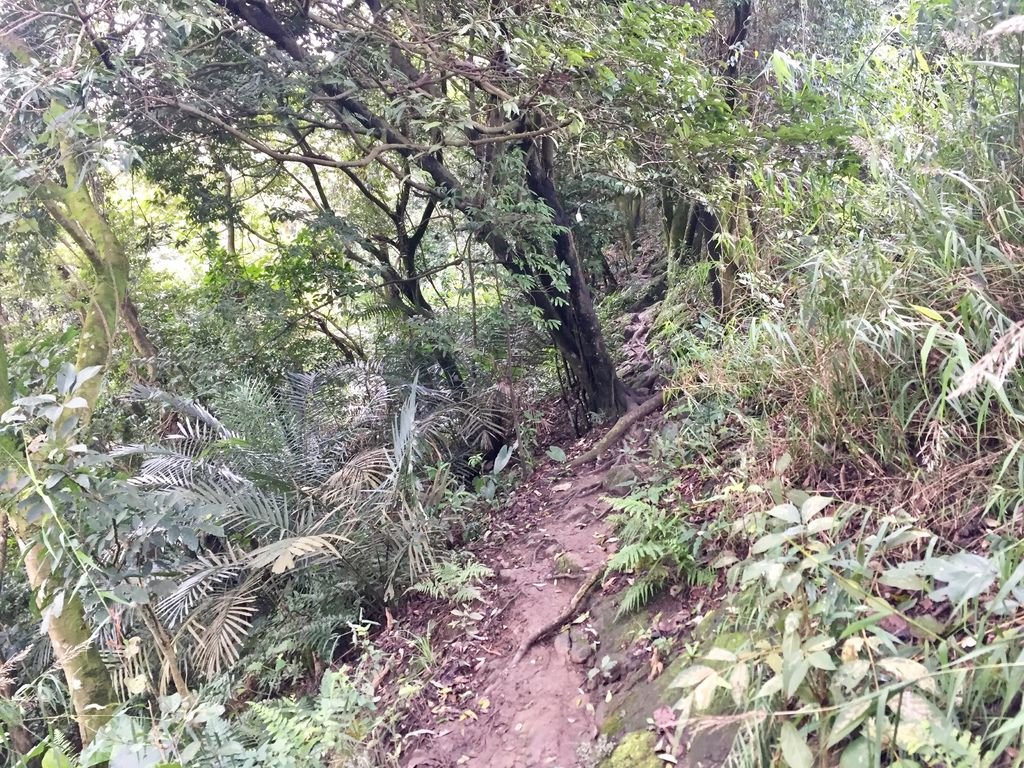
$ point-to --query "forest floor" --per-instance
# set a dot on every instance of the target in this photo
(576, 691)
(534, 712)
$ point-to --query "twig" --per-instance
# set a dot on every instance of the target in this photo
(615, 434)
(562, 618)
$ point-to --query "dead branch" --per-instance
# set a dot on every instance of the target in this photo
(613, 435)
(563, 618)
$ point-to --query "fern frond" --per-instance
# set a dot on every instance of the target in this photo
(221, 629)
(209, 573)
(637, 596)
(633, 556)
(182, 405)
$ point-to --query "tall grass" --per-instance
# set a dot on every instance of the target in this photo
(872, 359)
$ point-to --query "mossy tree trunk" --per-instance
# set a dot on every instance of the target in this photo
(73, 209)
(678, 222)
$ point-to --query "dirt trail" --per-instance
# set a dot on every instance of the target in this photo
(536, 713)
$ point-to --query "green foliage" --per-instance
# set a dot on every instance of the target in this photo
(336, 726)
(285, 212)
(657, 547)
(816, 633)
(455, 579)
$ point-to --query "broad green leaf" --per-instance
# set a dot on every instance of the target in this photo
(720, 654)
(704, 693)
(921, 723)
(65, 378)
(725, 559)
(965, 574)
(906, 576)
(786, 512)
(856, 755)
(794, 675)
(33, 400)
(813, 506)
(821, 524)
(556, 454)
(772, 573)
(849, 717)
(54, 758)
(782, 67)
(692, 676)
(821, 660)
(851, 673)
(795, 751)
(770, 541)
(85, 374)
(770, 687)
(739, 682)
(502, 459)
(909, 671)
(790, 582)
(819, 643)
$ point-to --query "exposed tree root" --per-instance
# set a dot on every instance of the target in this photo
(563, 618)
(613, 435)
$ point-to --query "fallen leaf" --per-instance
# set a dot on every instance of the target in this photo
(664, 718)
(136, 685)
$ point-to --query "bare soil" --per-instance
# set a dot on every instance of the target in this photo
(534, 713)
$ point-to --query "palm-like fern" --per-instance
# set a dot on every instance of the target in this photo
(324, 472)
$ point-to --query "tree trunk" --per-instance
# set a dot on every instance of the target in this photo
(73, 209)
(144, 347)
(677, 212)
(578, 334)
(6, 390)
(92, 693)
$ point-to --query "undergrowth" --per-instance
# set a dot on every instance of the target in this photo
(870, 356)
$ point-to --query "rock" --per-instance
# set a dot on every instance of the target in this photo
(563, 645)
(619, 480)
(567, 565)
(581, 651)
(612, 671)
(636, 750)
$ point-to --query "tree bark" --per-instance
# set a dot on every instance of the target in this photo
(578, 335)
(6, 390)
(92, 694)
(144, 346)
(75, 211)
(89, 683)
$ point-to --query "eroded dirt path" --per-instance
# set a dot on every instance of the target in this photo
(535, 713)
